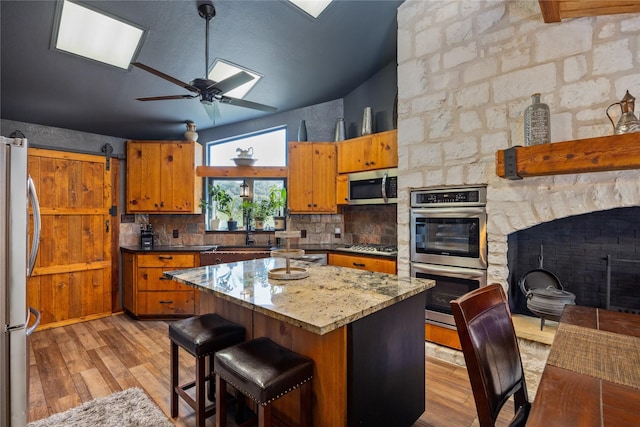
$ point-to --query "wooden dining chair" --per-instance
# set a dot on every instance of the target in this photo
(491, 353)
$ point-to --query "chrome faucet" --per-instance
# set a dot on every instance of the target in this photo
(247, 226)
(247, 240)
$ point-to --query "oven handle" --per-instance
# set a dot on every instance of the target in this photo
(448, 270)
(453, 211)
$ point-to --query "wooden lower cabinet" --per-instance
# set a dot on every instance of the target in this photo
(147, 293)
(369, 263)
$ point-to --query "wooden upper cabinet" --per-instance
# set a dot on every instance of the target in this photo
(342, 189)
(370, 152)
(312, 177)
(161, 177)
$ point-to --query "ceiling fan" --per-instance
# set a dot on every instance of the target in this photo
(209, 91)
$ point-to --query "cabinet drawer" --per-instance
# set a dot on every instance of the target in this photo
(166, 303)
(380, 265)
(167, 260)
(151, 279)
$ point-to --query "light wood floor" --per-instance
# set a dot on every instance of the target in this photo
(74, 364)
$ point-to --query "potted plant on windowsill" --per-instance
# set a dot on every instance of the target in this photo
(218, 197)
(278, 204)
(261, 211)
(227, 205)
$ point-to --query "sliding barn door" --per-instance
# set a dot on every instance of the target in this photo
(72, 277)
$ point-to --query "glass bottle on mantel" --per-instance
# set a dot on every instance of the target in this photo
(536, 122)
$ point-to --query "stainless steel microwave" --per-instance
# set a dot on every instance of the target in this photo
(373, 187)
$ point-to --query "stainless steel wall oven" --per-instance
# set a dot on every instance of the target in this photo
(448, 245)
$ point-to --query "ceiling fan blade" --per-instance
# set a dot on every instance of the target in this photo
(232, 82)
(247, 104)
(165, 76)
(162, 98)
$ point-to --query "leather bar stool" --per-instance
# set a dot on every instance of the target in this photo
(200, 336)
(264, 371)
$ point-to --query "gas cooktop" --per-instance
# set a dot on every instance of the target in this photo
(364, 248)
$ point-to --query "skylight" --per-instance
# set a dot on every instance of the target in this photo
(312, 7)
(222, 69)
(93, 35)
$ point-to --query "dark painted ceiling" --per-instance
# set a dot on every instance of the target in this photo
(303, 61)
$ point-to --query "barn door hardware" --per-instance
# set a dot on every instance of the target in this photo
(107, 149)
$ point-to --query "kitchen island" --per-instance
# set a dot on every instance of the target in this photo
(364, 331)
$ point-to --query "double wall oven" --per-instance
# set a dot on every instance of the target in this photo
(448, 245)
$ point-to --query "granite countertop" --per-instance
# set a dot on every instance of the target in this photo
(329, 298)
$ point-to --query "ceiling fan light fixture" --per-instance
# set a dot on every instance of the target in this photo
(222, 70)
(94, 35)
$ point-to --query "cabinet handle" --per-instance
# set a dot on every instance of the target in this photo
(315, 206)
(165, 257)
(218, 261)
(359, 264)
(366, 163)
(162, 204)
(372, 163)
(166, 302)
(309, 205)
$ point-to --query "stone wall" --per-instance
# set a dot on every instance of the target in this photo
(466, 72)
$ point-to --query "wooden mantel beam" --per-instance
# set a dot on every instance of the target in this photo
(606, 153)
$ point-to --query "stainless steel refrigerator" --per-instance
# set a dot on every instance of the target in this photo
(17, 258)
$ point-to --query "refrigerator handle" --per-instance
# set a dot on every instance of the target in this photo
(35, 244)
(33, 327)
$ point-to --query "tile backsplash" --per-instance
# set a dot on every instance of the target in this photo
(374, 224)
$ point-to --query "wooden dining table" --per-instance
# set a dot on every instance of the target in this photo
(592, 375)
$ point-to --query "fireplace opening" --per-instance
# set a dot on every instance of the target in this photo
(576, 250)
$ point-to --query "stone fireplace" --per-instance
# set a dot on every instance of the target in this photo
(466, 72)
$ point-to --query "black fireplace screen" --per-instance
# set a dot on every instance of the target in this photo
(576, 249)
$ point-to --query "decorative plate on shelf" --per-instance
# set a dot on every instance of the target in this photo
(244, 161)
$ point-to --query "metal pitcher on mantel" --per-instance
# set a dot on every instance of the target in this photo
(628, 122)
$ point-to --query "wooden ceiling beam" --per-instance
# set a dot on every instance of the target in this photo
(556, 10)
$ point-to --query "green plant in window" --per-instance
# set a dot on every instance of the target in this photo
(277, 199)
(261, 210)
(226, 204)
(222, 201)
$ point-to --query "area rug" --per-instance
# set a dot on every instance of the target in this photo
(128, 408)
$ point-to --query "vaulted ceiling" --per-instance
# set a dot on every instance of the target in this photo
(304, 61)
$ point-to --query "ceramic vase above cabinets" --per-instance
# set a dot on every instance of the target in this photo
(191, 134)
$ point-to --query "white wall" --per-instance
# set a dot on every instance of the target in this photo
(466, 72)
